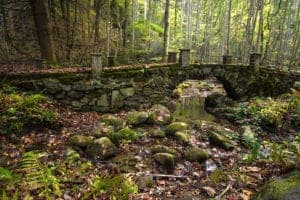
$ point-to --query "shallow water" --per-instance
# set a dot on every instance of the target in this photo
(190, 105)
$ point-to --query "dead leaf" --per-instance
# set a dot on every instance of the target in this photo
(209, 190)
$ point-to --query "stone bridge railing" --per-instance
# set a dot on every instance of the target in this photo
(134, 87)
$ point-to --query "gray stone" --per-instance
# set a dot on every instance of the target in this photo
(116, 99)
(76, 104)
(196, 154)
(220, 141)
(102, 149)
(165, 159)
(75, 94)
(182, 137)
(297, 85)
(53, 86)
(103, 101)
(157, 133)
(160, 115)
(163, 149)
(175, 126)
(144, 182)
(81, 140)
(136, 118)
(127, 92)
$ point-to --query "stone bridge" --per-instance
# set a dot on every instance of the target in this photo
(140, 86)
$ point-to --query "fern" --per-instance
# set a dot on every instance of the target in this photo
(39, 175)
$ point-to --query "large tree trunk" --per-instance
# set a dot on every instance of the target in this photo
(166, 31)
(44, 30)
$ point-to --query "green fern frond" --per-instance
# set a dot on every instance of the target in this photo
(39, 175)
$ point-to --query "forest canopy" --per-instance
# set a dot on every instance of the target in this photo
(136, 30)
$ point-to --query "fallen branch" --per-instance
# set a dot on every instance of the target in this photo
(223, 193)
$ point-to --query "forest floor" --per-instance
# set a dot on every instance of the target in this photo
(225, 175)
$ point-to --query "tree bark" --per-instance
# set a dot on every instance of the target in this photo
(166, 31)
(44, 30)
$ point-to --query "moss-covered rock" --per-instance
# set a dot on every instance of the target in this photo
(284, 188)
(182, 137)
(165, 159)
(176, 126)
(81, 140)
(101, 149)
(144, 182)
(113, 121)
(196, 154)
(159, 115)
(297, 85)
(220, 141)
(136, 118)
(163, 149)
(157, 133)
(125, 134)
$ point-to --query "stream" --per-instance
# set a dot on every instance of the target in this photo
(190, 105)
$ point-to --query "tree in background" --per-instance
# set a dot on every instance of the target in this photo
(42, 21)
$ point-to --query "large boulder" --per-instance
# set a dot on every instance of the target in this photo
(159, 115)
(196, 154)
(102, 149)
(176, 126)
(137, 118)
(166, 160)
(220, 141)
(283, 188)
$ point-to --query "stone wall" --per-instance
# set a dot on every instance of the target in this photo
(141, 87)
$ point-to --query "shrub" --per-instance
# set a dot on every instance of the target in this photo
(19, 111)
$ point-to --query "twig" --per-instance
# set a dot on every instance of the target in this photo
(224, 192)
(160, 175)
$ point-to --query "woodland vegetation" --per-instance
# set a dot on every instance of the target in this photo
(65, 32)
(133, 131)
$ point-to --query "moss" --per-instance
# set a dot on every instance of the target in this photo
(182, 137)
(81, 140)
(176, 126)
(165, 159)
(125, 134)
(220, 141)
(112, 120)
(157, 133)
(136, 118)
(196, 154)
(163, 149)
(280, 188)
(19, 111)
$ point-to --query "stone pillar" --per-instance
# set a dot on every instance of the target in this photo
(172, 57)
(254, 60)
(227, 59)
(111, 61)
(96, 64)
(184, 57)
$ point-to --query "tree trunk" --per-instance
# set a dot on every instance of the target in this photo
(44, 30)
(228, 27)
(166, 31)
(125, 22)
